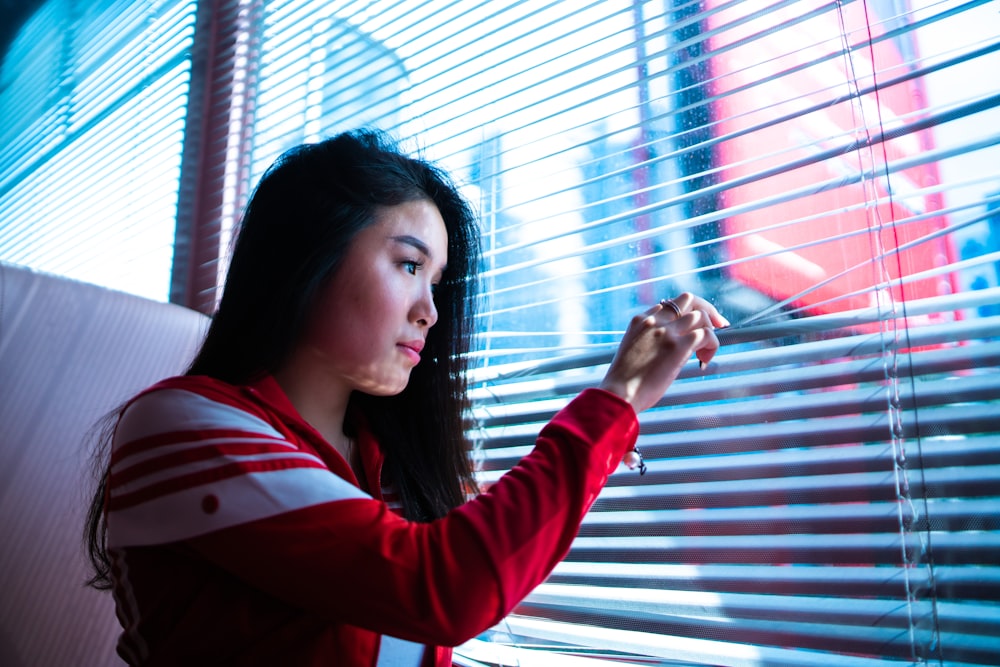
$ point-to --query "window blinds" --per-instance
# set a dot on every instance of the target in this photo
(826, 491)
(92, 97)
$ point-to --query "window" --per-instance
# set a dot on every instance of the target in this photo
(93, 99)
(826, 491)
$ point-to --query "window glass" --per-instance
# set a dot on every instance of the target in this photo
(93, 101)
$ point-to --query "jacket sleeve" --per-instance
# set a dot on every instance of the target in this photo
(222, 482)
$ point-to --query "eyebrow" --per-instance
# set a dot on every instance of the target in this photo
(412, 241)
(417, 244)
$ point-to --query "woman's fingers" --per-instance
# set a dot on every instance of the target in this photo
(658, 343)
(688, 302)
(697, 313)
(707, 346)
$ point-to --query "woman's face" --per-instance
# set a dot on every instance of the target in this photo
(372, 318)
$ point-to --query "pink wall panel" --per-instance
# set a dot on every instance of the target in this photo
(69, 353)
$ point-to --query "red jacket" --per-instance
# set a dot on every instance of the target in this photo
(239, 536)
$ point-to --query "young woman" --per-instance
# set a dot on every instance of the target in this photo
(301, 496)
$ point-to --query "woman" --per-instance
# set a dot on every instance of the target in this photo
(299, 495)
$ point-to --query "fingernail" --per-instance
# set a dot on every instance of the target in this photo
(701, 364)
(726, 322)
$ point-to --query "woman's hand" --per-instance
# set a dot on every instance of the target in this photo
(656, 346)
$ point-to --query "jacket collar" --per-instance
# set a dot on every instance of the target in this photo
(270, 392)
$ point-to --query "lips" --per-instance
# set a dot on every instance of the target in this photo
(415, 345)
(412, 349)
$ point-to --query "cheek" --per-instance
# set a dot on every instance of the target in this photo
(329, 325)
(357, 312)
(349, 327)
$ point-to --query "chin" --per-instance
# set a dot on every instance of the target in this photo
(387, 389)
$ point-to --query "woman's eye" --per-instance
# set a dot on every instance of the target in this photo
(412, 266)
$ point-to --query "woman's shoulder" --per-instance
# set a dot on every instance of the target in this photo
(190, 404)
(198, 384)
(193, 390)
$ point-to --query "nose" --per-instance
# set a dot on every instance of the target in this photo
(424, 310)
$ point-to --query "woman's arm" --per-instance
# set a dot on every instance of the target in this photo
(219, 480)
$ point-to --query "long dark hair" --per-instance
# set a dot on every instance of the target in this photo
(297, 226)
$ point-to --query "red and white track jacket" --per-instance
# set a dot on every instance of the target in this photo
(240, 536)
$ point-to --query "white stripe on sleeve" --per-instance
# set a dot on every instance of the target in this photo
(170, 410)
(225, 467)
(230, 502)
